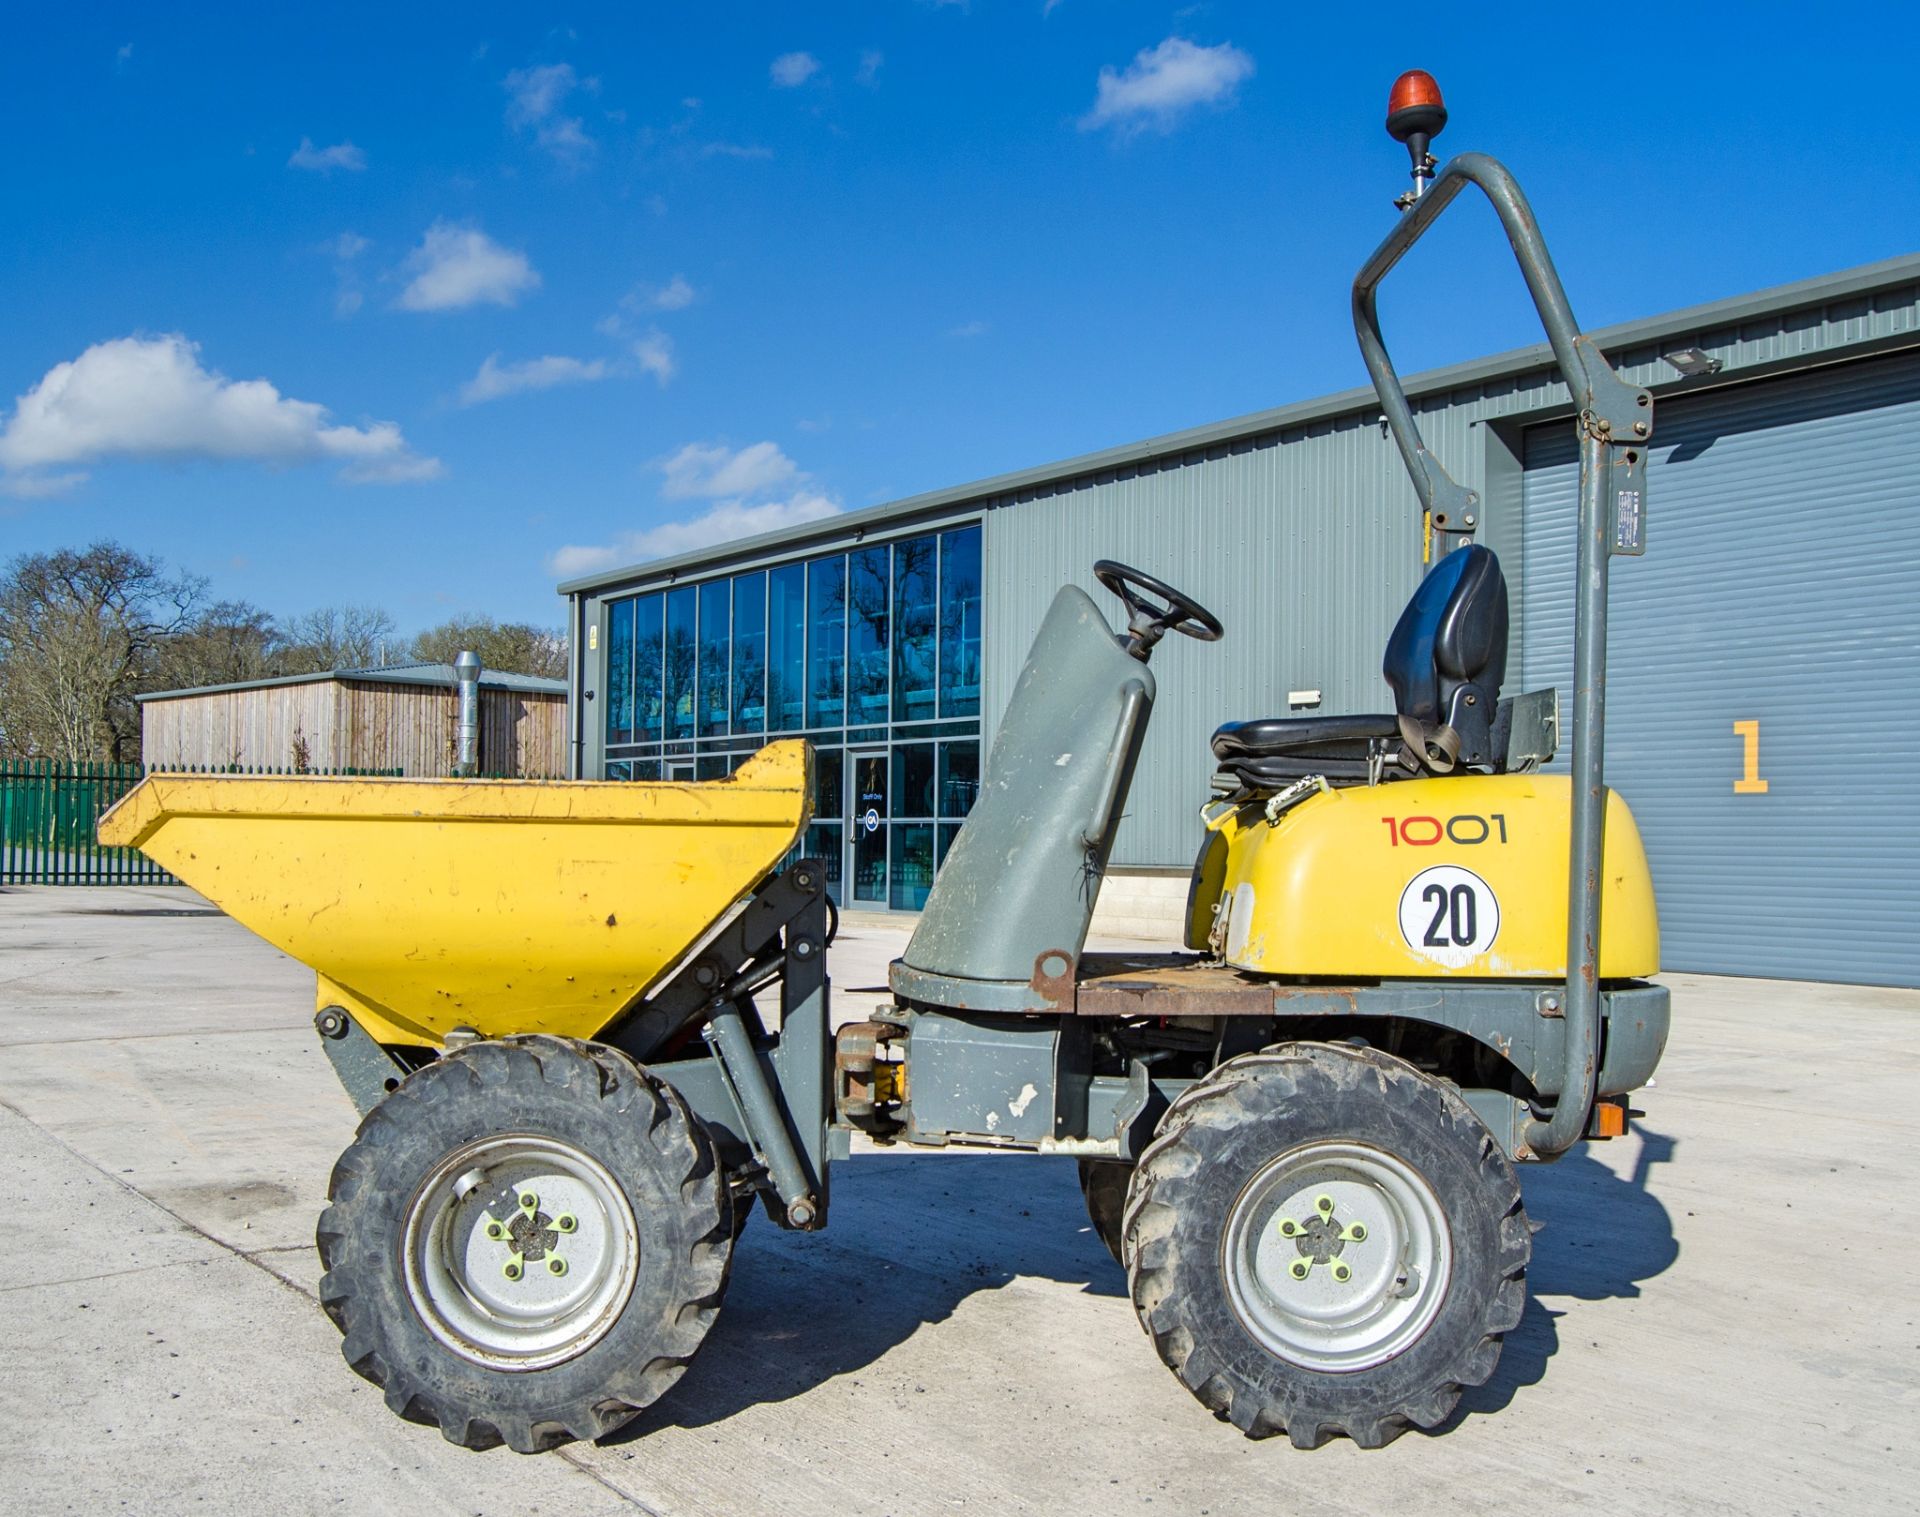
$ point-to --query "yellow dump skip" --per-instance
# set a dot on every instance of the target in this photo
(507, 906)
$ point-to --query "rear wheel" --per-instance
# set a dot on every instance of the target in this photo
(1323, 1240)
(526, 1244)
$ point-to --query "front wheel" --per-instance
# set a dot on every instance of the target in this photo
(1322, 1240)
(527, 1242)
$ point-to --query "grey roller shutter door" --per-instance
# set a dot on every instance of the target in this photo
(1781, 586)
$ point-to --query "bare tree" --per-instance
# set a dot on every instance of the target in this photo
(336, 637)
(227, 643)
(79, 629)
(511, 647)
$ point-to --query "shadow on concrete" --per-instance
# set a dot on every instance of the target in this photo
(1601, 1234)
(911, 1237)
(914, 1235)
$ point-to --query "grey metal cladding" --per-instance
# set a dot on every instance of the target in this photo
(1779, 587)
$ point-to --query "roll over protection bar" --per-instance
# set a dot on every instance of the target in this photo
(1615, 424)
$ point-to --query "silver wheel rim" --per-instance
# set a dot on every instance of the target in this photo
(521, 1252)
(1337, 1256)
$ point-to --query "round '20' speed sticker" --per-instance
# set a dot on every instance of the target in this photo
(1449, 914)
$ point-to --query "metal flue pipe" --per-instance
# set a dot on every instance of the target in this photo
(466, 669)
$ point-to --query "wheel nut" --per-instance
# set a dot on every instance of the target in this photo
(564, 1223)
(556, 1265)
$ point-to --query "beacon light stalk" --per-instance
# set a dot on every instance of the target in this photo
(1416, 115)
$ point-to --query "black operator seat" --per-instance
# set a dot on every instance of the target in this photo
(1445, 662)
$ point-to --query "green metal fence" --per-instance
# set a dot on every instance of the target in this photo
(48, 811)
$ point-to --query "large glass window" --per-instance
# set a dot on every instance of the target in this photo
(829, 786)
(960, 622)
(867, 635)
(786, 648)
(648, 711)
(873, 653)
(712, 702)
(680, 650)
(913, 779)
(916, 574)
(912, 872)
(827, 642)
(750, 653)
(959, 777)
(619, 691)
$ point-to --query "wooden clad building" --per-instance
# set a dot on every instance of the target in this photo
(401, 718)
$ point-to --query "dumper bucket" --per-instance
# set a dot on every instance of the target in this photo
(511, 906)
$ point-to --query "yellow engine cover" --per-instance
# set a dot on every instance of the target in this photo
(1463, 877)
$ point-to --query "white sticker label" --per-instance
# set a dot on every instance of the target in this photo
(1449, 914)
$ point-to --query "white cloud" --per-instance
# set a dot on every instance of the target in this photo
(1163, 83)
(737, 482)
(655, 355)
(790, 70)
(968, 329)
(712, 469)
(458, 266)
(869, 70)
(41, 486)
(497, 379)
(149, 397)
(733, 150)
(400, 469)
(536, 95)
(344, 250)
(726, 521)
(324, 160)
(675, 295)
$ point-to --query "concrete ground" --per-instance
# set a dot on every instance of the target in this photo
(1723, 1316)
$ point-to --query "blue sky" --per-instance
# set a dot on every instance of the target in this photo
(426, 306)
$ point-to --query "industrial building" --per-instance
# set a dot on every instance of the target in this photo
(396, 719)
(1764, 663)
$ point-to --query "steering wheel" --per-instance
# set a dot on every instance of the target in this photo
(1147, 622)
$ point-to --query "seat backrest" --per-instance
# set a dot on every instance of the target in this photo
(1448, 652)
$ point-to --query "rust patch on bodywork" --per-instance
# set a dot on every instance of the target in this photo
(1053, 971)
(1192, 985)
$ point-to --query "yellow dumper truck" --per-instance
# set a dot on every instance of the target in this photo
(588, 1024)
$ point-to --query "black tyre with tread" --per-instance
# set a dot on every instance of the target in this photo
(1104, 1184)
(602, 1103)
(1211, 1144)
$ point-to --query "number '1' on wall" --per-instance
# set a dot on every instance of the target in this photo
(1749, 782)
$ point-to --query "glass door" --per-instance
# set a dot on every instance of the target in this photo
(867, 824)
